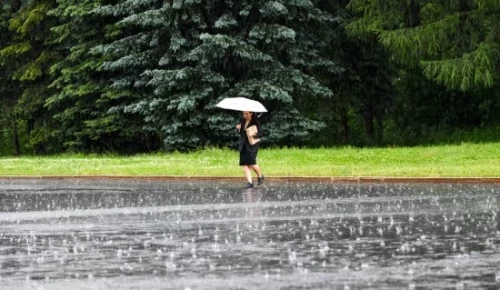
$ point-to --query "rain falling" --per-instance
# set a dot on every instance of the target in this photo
(206, 235)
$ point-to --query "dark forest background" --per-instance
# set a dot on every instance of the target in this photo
(132, 76)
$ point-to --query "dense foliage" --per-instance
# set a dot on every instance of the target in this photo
(144, 75)
(455, 42)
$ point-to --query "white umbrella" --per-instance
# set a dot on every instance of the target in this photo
(241, 104)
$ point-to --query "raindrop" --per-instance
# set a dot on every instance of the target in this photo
(170, 266)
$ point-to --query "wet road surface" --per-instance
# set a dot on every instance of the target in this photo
(201, 235)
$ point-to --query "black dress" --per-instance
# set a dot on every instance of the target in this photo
(248, 153)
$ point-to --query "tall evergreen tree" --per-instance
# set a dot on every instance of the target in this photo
(176, 59)
(82, 95)
(25, 61)
(9, 88)
(455, 42)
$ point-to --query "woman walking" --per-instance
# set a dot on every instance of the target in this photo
(248, 152)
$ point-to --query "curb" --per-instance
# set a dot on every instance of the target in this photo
(362, 179)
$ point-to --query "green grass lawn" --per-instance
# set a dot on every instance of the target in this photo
(466, 160)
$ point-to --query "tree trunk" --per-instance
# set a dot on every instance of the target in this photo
(414, 14)
(345, 126)
(15, 137)
(16, 5)
(380, 128)
(368, 122)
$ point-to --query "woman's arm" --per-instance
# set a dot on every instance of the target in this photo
(238, 126)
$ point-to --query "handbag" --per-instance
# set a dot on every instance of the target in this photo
(251, 131)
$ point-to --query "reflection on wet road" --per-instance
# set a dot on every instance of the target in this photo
(199, 235)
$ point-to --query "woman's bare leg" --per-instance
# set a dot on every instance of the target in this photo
(256, 168)
(248, 173)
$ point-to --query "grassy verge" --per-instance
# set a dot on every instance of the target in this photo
(466, 160)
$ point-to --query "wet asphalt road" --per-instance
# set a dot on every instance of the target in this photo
(200, 235)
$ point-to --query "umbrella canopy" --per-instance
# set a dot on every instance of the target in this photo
(241, 104)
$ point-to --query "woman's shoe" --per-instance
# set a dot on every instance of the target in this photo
(249, 185)
(260, 180)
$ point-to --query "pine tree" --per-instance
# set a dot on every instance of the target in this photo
(9, 89)
(176, 59)
(456, 42)
(25, 60)
(82, 95)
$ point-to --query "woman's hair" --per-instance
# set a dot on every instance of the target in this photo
(253, 114)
